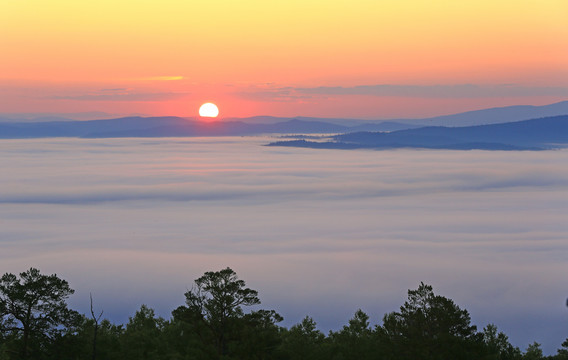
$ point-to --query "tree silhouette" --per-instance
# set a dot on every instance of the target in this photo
(429, 326)
(217, 299)
(498, 345)
(96, 320)
(304, 341)
(141, 338)
(33, 306)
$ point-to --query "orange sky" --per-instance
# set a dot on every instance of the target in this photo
(281, 58)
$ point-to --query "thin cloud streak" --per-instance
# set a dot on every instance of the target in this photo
(278, 192)
(162, 78)
(457, 91)
(165, 96)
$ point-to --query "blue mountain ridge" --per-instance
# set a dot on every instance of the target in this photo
(535, 134)
(174, 127)
(538, 133)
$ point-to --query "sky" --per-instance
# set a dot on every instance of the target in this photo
(336, 58)
(318, 233)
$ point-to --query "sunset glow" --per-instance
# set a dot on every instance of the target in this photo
(270, 58)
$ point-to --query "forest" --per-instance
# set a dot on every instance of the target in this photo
(214, 323)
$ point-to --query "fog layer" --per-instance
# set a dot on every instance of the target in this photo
(316, 232)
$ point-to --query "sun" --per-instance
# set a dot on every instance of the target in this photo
(208, 110)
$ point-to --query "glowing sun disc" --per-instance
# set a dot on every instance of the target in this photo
(208, 110)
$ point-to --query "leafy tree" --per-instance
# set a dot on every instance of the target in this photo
(76, 341)
(189, 334)
(355, 341)
(563, 352)
(3, 332)
(108, 339)
(534, 352)
(33, 307)
(73, 341)
(259, 336)
(141, 338)
(498, 345)
(304, 341)
(215, 310)
(430, 326)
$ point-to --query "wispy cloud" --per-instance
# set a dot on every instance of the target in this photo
(160, 78)
(439, 91)
(457, 91)
(286, 94)
(123, 96)
(115, 89)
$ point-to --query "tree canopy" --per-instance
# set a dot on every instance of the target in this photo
(33, 307)
(214, 308)
(221, 321)
(429, 325)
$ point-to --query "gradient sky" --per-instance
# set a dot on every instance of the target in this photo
(278, 57)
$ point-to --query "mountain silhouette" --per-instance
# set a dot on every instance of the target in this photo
(535, 134)
(364, 133)
(173, 126)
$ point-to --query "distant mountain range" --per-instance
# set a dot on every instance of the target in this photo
(176, 126)
(494, 115)
(45, 117)
(535, 134)
(43, 124)
(356, 133)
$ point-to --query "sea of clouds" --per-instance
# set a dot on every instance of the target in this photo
(316, 232)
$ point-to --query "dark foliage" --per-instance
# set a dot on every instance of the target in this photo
(33, 311)
(35, 323)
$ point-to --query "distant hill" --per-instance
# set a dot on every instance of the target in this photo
(80, 128)
(194, 128)
(494, 115)
(470, 118)
(175, 126)
(171, 126)
(535, 134)
(45, 117)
